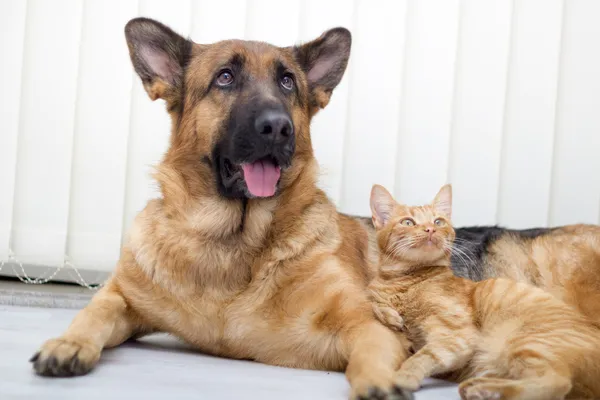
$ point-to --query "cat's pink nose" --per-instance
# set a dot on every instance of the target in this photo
(431, 231)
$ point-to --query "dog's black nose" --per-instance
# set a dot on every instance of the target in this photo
(273, 122)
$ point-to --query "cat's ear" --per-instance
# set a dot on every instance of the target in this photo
(443, 200)
(382, 205)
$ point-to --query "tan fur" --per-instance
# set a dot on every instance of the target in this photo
(288, 289)
(503, 339)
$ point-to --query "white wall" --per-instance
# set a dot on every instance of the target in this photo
(499, 97)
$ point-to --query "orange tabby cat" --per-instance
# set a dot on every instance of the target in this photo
(508, 340)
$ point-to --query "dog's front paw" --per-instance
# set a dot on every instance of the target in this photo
(63, 357)
(394, 393)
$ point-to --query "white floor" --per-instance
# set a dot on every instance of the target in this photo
(157, 367)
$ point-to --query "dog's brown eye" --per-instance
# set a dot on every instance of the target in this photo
(225, 78)
(287, 82)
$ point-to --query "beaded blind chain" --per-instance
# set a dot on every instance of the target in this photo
(23, 277)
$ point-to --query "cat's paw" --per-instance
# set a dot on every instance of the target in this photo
(482, 389)
(389, 317)
(407, 381)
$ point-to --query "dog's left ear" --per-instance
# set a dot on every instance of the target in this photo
(159, 56)
(324, 61)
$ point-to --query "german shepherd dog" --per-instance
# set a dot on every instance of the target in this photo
(243, 256)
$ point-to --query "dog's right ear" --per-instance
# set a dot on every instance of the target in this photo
(159, 56)
(324, 61)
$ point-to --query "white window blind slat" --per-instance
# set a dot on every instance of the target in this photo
(273, 22)
(46, 124)
(575, 191)
(213, 21)
(530, 113)
(12, 21)
(478, 121)
(375, 88)
(101, 132)
(424, 138)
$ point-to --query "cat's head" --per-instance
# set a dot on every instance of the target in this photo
(413, 233)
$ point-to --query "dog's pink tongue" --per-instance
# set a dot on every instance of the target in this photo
(261, 177)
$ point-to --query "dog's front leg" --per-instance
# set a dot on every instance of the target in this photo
(375, 353)
(105, 322)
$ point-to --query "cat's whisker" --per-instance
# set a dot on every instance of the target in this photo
(468, 253)
(462, 255)
(406, 242)
(399, 248)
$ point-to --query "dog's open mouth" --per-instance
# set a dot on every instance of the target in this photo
(261, 176)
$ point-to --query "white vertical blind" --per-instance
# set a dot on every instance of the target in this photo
(374, 101)
(213, 21)
(273, 21)
(478, 120)
(530, 114)
(499, 97)
(575, 190)
(46, 121)
(12, 23)
(422, 159)
(101, 131)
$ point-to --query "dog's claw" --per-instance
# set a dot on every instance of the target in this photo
(399, 393)
(34, 357)
(396, 393)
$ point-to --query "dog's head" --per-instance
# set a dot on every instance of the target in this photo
(241, 110)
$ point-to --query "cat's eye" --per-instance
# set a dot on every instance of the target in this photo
(407, 222)
(439, 222)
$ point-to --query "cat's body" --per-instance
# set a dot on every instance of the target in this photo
(495, 328)
(501, 338)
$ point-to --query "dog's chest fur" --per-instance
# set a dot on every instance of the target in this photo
(233, 296)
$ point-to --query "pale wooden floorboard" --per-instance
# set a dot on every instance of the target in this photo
(157, 367)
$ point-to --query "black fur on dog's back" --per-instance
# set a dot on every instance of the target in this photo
(472, 245)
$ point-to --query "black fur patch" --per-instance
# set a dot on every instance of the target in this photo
(473, 243)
